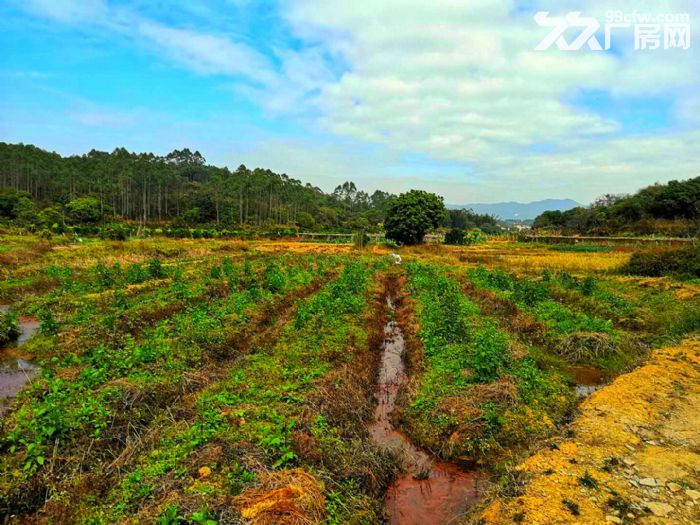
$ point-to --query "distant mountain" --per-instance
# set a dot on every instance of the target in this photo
(518, 210)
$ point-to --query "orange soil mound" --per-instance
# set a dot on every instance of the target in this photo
(634, 456)
(289, 497)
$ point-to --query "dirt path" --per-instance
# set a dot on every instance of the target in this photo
(633, 455)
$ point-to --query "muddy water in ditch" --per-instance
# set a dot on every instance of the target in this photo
(431, 492)
(15, 371)
(587, 379)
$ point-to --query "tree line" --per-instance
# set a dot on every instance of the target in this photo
(179, 187)
(672, 208)
(40, 188)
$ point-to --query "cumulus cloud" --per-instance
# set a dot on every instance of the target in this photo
(460, 81)
(457, 81)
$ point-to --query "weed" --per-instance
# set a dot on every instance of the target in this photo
(619, 504)
(170, 516)
(572, 507)
(610, 463)
(9, 328)
(588, 481)
(155, 269)
(47, 324)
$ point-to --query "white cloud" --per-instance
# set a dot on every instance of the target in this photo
(104, 119)
(453, 80)
(282, 83)
(71, 11)
(209, 54)
(460, 81)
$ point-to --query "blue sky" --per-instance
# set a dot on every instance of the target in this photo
(445, 95)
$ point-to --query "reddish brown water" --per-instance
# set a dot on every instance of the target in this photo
(15, 372)
(444, 491)
(587, 379)
(440, 499)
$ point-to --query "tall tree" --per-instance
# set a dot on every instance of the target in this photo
(411, 215)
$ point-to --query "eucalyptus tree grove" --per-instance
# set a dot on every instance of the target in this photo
(179, 186)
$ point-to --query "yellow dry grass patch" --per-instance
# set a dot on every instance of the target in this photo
(288, 497)
(649, 422)
(567, 261)
(295, 247)
(684, 291)
(520, 257)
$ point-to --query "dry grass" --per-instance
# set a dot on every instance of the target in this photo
(282, 247)
(288, 497)
(584, 346)
(520, 257)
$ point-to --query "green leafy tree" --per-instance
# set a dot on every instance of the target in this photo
(466, 220)
(148, 188)
(25, 211)
(411, 215)
(641, 213)
(50, 216)
(456, 236)
(461, 238)
(84, 210)
(305, 221)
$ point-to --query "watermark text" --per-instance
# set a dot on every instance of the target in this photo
(574, 31)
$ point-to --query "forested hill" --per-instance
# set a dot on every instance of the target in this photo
(672, 209)
(178, 187)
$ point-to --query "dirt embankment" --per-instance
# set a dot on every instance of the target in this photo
(633, 455)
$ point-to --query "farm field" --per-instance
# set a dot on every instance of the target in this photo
(177, 381)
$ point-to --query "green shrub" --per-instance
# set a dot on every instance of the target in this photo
(50, 216)
(460, 237)
(489, 355)
(475, 236)
(274, 278)
(564, 321)
(115, 232)
(588, 285)
(580, 248)
(10, 202)
(47, 324)
(155, 269)
(529, 293)
(494, 280)
(84, 210)
(456, 236)
(658, 262)
(136, 274)
(9, 328)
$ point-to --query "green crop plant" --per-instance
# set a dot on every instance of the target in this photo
(9, 328)
(466, 356)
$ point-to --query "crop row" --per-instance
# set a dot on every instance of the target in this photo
(607, 322)
(478, 389)
(90, 394)
(255, 418)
